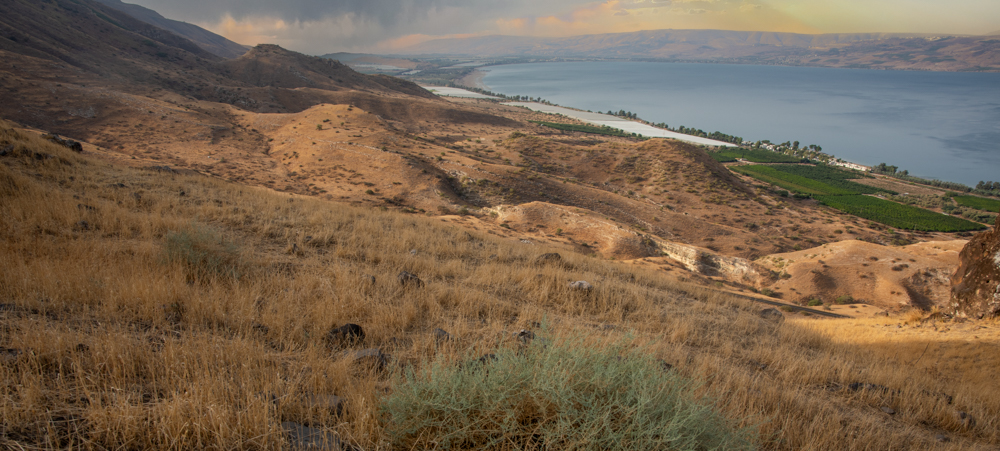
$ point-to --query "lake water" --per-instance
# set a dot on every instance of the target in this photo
(940, 125)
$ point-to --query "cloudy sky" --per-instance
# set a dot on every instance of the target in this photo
(325, 26)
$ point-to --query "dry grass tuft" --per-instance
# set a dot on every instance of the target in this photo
(151, 310)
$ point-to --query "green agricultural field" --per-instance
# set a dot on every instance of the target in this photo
(728, 155)
(898, 215)
(586, 129)
(792, 182)
(833, 176)
(979, 203)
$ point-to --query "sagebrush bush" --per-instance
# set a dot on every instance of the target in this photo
(568, 394)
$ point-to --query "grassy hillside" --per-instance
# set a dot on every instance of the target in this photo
(151, 309)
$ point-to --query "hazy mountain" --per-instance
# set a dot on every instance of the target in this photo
(204, 38)
(875, 50)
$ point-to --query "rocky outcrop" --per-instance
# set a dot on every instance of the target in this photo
(703, 261)
(975, 290)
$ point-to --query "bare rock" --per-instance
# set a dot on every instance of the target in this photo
(441, 335)
(549, 258)
(408, 279)
(346, 334)
(888, 410)
(772, 314)
(371, 358)
(965, 419)
(581, 285)
(975, 287)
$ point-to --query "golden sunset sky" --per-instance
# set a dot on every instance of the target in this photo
(323, 26)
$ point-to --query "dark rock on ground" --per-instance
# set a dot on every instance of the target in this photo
(409, 279)
(68, 143)
(772, 314)
(371, 358)
(549, 258)
(441, 335)
(975, 287)
(346, 334)
(965, 419)
(9, 354)
(488, 358)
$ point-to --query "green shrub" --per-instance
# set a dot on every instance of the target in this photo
(815, 302)
(204, 253)
(568, 394)
(845, 299)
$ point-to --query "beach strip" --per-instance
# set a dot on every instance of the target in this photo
(626, 125)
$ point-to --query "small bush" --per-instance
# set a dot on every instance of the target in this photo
(563, 395)
(814, 302)
(845, 299)
(204, 253)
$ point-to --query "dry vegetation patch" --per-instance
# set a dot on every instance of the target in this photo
(155, 310)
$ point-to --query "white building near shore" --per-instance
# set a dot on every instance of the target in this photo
(849, 165)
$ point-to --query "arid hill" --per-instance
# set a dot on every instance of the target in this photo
(205, 39)
(312, 126)
(859, 50)
(126, 294)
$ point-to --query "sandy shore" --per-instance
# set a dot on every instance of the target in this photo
(621, 124)
(474, 79)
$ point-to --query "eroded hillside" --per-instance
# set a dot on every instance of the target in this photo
(135, 301)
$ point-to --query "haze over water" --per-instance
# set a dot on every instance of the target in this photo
(941, 125)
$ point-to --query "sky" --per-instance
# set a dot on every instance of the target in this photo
(328, 26)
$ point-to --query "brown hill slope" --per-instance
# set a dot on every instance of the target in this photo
(105, 47)
(127, 293)
(205, 39)
(275, 67)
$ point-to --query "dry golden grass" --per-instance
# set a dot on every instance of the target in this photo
(150, 310)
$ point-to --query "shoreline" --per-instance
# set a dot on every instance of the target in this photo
(474, 79)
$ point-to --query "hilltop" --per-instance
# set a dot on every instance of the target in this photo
(857, 50)
(205, 39)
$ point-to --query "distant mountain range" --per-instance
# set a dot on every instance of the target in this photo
(861, 50)
(205, 39)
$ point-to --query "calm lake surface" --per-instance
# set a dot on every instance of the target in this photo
(940, 125)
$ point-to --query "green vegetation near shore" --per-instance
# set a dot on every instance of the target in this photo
(898, 215)
(805, 181)
(979, 203)
(727, 155)
(605, 130)
(833, 187)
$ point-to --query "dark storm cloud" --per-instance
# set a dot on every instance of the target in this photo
(383, 12)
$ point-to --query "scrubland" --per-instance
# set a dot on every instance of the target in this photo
(148, 309)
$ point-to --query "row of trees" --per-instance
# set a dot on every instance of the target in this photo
(988, 186)
(894, 171)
